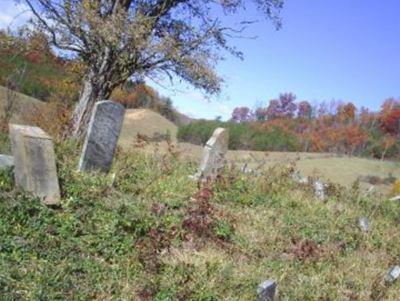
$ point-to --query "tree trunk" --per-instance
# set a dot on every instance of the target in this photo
(92, 92)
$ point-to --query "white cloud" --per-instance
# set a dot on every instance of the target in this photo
(13, 15)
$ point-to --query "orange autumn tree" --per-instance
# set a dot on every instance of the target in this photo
(389, 118)
(346, 113)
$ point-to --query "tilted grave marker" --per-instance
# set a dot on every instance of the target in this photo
(102, 136)
(213, 155)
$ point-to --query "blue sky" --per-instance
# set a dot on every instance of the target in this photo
(345, 50)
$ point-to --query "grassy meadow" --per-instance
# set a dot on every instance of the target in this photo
(339, 169)
(148, 232)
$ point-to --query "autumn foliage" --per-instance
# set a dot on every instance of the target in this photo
(286, 124)
(30, 66)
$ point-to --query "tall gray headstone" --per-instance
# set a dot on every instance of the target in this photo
(214, 155)
(35, 165)
(266, 291)
(102, 136)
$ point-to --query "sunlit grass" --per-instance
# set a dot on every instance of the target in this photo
(123, 237)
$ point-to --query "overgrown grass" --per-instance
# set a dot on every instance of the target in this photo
(147, 232)
(5, 147)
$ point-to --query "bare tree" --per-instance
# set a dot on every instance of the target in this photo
(121, 39)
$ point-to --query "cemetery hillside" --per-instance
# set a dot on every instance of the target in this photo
(126, 198)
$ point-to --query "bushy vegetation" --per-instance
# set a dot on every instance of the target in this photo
(246, 136)
(289, 126)
(29, 66)
(148, 232)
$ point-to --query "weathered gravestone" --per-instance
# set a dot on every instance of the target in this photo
(6, 161)
(102, 136)
(393, 274)
(319, 190)
(364, 224)
(213, 155)
(35, 165)
(266, 291)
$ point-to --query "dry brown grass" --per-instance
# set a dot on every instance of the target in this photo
(146, 123)
(23, 108)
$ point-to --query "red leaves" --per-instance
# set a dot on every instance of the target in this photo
(389, 118)
(305, 249)
(347, 112)
(241, 114)
(283, 107)
(304, 110)
(200, 217)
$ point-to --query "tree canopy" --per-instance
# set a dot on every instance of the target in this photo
(122, 38)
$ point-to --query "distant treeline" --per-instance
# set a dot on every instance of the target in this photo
(287, 125)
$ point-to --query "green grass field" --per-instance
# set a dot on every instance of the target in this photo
(148, 232)
(343, 170)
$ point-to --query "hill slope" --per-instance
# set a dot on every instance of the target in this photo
(22, 107)
(146, 123)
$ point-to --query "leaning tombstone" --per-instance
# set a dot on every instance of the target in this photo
(102, 136)
(266, 291)
(213, 155)
(35, 165)
(6, 161)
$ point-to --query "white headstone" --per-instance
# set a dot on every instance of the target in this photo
(213, 155)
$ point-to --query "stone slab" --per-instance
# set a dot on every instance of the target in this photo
(35, 168)
(393, 274)
(266, 291)
(364, 224)
(102, 136)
